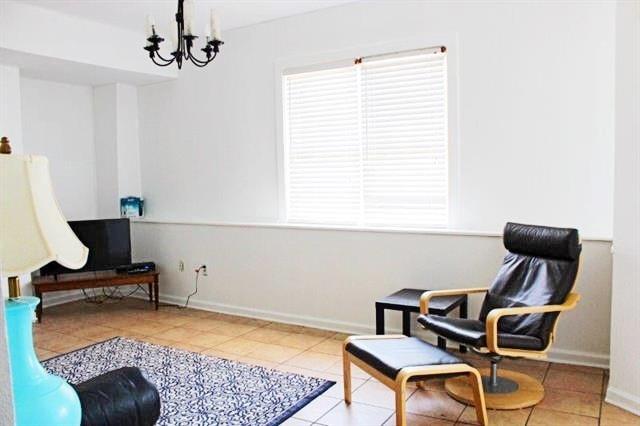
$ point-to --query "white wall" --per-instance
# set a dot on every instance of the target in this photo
(128, 144)
(526, 83)
(533, 142)
(58, 123)
(106, 142)
(10, 109)
(624, 382)
(117, 146)
(331, 279)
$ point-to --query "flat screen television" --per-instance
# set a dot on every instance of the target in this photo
(108, 241)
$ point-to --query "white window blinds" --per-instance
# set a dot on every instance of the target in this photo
(366, 144)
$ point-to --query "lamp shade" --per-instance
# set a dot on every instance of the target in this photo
(33, 231)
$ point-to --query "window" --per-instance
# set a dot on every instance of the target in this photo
(366, 142)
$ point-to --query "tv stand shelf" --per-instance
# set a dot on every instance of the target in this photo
(98, 279)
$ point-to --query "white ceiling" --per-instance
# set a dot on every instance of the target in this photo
(131, 14)
(54, 69)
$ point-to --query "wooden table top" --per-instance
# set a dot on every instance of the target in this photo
(409, 299)
(108, 275)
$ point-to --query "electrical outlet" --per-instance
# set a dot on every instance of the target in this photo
(181, 266)
(202, 267)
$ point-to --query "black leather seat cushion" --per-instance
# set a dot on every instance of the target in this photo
(473, 333)
(120, 397)
(389, 356)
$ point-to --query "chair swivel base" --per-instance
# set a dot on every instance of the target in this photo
(500, 385)
(528, 391)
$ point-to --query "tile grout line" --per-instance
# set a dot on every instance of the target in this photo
(544, 378)
(125, 312)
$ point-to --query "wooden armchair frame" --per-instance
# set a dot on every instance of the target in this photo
(495, 314)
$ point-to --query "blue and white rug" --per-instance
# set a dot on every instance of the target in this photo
(197, 389)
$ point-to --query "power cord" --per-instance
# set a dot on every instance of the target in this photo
(114, 294)
(198, 270)
(117, 295)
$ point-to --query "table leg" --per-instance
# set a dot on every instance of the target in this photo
(379, 320)
(463, 314)
(406, 323)
(156, 292)
(150, 292)
(442, 343)
(39, 307)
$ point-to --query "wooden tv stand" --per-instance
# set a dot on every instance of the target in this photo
(98, 279)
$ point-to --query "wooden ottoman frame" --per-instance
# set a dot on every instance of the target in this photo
(399, 385)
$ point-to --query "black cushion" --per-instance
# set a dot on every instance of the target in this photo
(472, 332)
(529, 281)
(120, 397)
(542, 241)
(389, 356)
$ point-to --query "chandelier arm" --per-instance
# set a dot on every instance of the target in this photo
(165, 59)
(190, 56)
(161, 64)
(199, 62)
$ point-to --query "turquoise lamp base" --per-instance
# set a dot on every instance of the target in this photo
(40, 398)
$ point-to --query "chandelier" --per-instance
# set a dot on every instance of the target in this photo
(183, 37)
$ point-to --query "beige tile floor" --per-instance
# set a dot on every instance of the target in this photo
(573, 394)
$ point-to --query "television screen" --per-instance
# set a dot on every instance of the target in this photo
(108, 241)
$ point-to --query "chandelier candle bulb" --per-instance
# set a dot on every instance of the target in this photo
(149, 28)
(189, 17)
(173, 29)
(215, 27)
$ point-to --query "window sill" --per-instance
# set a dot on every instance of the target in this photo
(303, 226)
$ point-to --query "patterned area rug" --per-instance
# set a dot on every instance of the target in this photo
(197, 389)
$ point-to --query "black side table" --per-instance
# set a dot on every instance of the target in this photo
(407, 300)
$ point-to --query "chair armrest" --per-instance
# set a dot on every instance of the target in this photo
(427, 295)
(495, 314)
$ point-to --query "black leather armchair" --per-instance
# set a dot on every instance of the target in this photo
(519, 314)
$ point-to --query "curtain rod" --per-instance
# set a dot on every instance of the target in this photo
(350, 62)
(437, 49)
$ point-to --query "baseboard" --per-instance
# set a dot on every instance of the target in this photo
(324, 324)
(590, 359)
(556, 355)
(58, 299)
(623, 399)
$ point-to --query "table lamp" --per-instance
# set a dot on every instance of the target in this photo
(33, 232)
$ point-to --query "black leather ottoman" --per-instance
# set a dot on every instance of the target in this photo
(121, 397)
(396, 359)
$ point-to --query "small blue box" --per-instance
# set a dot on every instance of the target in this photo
(131, 207)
